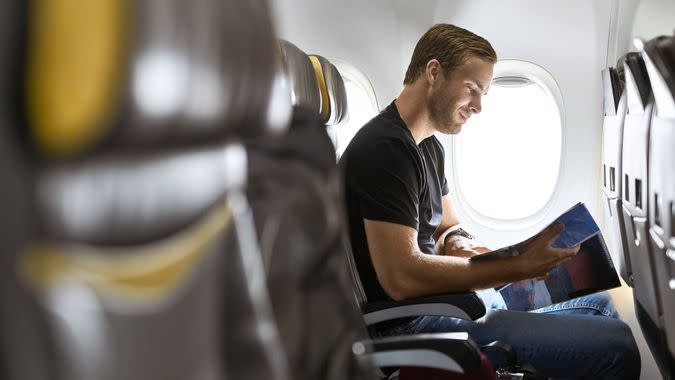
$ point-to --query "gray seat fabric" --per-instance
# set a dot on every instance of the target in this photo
(299, 228)
(305, 90)
(659, 57)
(635, 180)
(293, 191)
(612, 139)
(220, 56)
(130, 252)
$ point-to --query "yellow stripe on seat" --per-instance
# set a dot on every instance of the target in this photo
(142, 273)
(318, 70)
(74, 73)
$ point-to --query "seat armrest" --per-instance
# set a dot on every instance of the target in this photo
(446, 351)
(459, 305)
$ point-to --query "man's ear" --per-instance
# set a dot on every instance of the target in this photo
(433, 71)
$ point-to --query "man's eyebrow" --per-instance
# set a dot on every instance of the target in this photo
(480, 86)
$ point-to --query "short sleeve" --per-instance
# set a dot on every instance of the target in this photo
(444, 188)
(386, 180)
(436, 154)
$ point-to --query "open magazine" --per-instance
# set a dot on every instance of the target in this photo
(589, 271)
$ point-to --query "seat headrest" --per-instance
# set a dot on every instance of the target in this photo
(661, 51)
(333, 93)
(280, 109)
(638, 89)
(612, 89)
(304, 87)
(620, 71)
(659, 57)
(146, 73)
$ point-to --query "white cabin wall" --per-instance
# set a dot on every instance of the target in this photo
(363, 33)
(621, 41)
(654, 18)
(643, 19)
(414, 18)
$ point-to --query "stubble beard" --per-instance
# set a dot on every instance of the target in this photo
(439, 116)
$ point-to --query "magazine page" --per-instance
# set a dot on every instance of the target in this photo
(579, 226)
(590, 271)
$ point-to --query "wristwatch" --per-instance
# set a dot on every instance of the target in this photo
(459, 232)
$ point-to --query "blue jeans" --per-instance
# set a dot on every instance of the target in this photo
(580, 338)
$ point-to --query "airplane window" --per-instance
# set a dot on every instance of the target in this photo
(507, 158)
(361, 102)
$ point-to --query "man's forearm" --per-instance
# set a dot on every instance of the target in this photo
(405, 272)
(435, 274)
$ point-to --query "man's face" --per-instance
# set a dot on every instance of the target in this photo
(454, 99)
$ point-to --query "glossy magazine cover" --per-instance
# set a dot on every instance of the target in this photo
(590, 270)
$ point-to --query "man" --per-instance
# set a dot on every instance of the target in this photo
(404, 231)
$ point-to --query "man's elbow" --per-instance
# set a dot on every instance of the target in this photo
(399, 288)
(397, 294)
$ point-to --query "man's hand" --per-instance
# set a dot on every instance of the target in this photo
(539, 257)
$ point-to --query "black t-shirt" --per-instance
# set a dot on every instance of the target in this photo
(390, 178)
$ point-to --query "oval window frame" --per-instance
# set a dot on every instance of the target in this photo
(357, 76)
(353, 74)
(545, 80)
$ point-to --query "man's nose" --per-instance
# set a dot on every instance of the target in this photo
(475, 105)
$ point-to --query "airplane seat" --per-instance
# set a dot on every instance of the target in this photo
(131, 254)
(16, 307)
(305, 91)
(614, 96)
(333, 93)
(467, 359)
(659, 57)
(635, 192)
(329, 77)
(292, 179)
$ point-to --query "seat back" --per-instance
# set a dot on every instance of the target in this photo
(293, 191)
(305, 90)
(334, 103)
(134, 255)
(613, 82)
(659, 57)
(635, 182)
(333, 93)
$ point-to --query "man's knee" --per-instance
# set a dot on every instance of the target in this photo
(624, 350)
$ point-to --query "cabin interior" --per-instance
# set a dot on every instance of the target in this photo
(160, 174)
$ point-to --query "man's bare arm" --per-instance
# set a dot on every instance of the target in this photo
(449, 219)
(405, 272)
